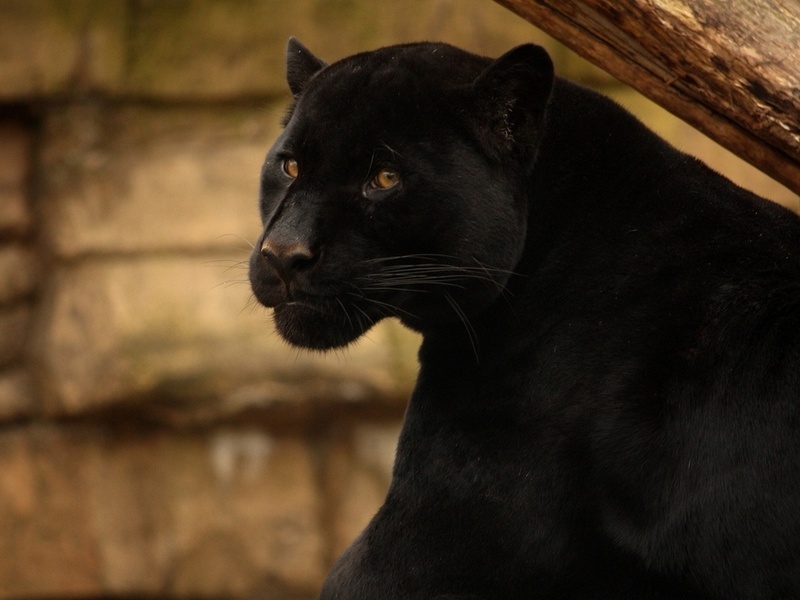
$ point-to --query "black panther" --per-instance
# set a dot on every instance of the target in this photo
(608, 401)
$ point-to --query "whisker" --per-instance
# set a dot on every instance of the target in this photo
(230, 283)
(439, 260)
(228, 261)
(236, 235)
(230, 265)
(367, 319)
(392, 150)
(344, 310)
(446, 267)
(251, 305)
(391, 284)
(393, 310)
(371, 162)
(444, 278)
(473, 337)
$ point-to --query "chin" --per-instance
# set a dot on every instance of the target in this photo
(313, 328)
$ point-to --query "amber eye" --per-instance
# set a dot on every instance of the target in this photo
(385, 179)
(290, 167)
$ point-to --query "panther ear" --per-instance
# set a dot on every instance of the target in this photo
(301, 65)
(512, 95)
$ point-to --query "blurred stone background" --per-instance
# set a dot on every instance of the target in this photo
(156, 438)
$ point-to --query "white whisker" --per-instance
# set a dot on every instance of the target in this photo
(473, 337)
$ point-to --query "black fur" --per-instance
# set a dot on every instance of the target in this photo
(608, 403)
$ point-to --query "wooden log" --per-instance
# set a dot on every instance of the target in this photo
(730, 68)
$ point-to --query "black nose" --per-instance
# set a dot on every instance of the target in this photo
(288, 259)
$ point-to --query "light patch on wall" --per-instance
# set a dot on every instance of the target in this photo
(239, 453)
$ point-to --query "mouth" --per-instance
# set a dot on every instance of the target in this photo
(320, 323)
(290, 304)
(324, 303)
(305, 309)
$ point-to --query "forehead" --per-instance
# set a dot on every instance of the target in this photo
(405, 86)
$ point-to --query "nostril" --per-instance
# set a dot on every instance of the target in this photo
(288, 259)
(301, 258)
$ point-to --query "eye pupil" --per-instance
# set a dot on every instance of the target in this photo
(386, 178)
(291, 168)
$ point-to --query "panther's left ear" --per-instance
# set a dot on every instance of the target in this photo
(513, 92)
(301, 65)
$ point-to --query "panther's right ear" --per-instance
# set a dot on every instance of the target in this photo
(301, 65)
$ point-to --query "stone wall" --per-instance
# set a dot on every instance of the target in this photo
(156, 437)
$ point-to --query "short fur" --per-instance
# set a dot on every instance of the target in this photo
(608, 403)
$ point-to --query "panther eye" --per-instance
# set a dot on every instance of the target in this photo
(385, 179)
(290, 167)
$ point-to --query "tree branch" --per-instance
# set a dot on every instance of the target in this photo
(730, 69)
